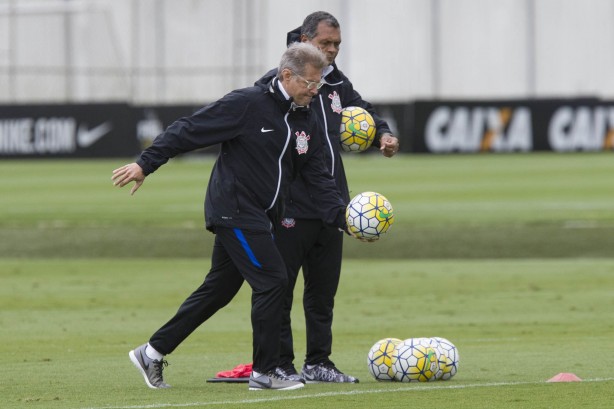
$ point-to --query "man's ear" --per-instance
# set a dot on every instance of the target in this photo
(285, 74)
(304, 38)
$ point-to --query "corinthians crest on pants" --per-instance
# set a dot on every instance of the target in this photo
(302, 144)
(288, 222)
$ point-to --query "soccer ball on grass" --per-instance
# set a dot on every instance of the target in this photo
(449, 355)
(379, 359)
(415, 360)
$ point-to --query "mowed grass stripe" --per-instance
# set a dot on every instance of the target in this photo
(68, 325)
(288, 396)
(449, 206)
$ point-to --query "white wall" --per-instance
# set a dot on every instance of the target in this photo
(575, 47)
(192, 51)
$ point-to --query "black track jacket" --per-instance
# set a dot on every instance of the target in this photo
(336, 94)
(265, 144)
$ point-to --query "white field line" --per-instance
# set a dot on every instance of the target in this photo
(283, 397)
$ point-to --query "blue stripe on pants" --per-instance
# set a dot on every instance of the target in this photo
(248, 250)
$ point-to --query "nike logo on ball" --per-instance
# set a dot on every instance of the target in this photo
(265, 130)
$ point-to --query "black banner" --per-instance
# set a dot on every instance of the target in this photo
(400, 119)
(562, 125)
(151, 121)
(121, 130)
(91, 130)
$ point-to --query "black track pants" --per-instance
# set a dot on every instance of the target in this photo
(237, 255)
(316, 248)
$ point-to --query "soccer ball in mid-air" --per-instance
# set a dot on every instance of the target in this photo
(357, 129)
(448, 353)
(379, 359)
(415, 360)
(369, 215)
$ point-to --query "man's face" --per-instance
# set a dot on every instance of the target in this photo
(296, 85)
(327, 39)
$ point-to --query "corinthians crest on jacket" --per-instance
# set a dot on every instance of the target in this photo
(336, 102)
(302, 142)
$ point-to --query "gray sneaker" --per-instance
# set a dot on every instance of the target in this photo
(150, 369)
(289, 373)
(325, 372)
(272, 380)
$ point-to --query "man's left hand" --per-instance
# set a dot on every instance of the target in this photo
(389, 145)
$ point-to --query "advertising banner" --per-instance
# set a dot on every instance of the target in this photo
(399, 118)
(433, 126)
(90, 130)
(152, 120)
(559, 125)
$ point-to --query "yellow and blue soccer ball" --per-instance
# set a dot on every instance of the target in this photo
(369, 215)
(379, 359)
(449, 357)
(357, 129)
(415, 360)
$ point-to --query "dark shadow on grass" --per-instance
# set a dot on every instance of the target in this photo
(449, 242)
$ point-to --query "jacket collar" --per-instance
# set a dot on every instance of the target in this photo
(277, 92)
(293, 36)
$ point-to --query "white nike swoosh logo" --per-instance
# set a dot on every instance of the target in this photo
(266, 384)
(87, 137)
(266, 130)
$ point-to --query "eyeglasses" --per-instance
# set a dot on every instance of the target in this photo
(310, 84)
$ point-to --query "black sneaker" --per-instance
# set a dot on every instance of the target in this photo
(272, 380)
(288, 372)
(150, 369)
(325, 372)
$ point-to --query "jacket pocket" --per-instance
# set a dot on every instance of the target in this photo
(224, 199)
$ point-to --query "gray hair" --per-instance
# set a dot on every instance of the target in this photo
(311, 22)
(298, 55)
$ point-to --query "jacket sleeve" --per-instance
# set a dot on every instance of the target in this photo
(212, 124)
(353, 98)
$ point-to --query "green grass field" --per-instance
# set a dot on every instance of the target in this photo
(511, 257)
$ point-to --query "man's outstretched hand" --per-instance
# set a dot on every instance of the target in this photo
(128, 173)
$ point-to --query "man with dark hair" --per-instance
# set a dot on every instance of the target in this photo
(267, 135)
(304, 241)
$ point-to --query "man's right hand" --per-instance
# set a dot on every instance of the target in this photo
(128, 173)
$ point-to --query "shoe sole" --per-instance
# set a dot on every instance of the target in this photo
(140, 368)
(288, 388)
(310, 381)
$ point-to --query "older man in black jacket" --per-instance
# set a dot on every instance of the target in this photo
(268, 135)
(304, 240)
